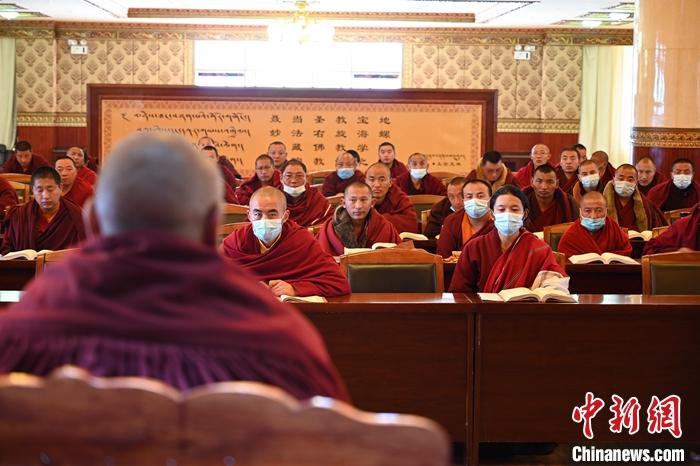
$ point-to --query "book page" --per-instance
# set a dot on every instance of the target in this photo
(383, 245)
(586, 258)
(29, 254)
(302, 299)
(490, 297)
(347, 251)
(612, 257)
(414, 236)
(519, 294)
(552, 294)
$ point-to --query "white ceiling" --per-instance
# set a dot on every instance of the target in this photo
(489, 13)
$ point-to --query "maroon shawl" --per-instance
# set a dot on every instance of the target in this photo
(684, 233)
(8, 196)
(438, 215)
(451, 234)
(252, 184)
(577, 240)
(377, 230)
(564, 209)
(566, 184)
(87, 175)
(397, 208)
(310, 208)
(333, 185)
(80, 192)
(11, 165)
(429, 185)
(667, 197)
(658, 179)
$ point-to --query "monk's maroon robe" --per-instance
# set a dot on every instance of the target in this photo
(87, 175)
(11, 165)
(397, 168)
(80, 192)
(562, 210)
(397, 208)
(566, 184)
(656, 180)
(684, 233)
(377, 230)
(8, 196)
(333, 185)
(438, 215)
(310, 208)
(429, 185)
(578, 240)
(155, 305)
(252, 184)
(451, 234)
(666, 196)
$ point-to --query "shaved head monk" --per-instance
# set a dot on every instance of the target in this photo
(355, 223)
(265, 175)
(418, 180)
(492, 170)
(47, 222)
(222, 160)
(387, 156)
(24, 160)
(306, 204)
(567, 170)
(605, 170)
(627, 206)
(72, 188)
(345, 174)
(281, 253)
(151, 297)
(446, 207)
(588, 180)
(539, 155)
(230, 182)
(648, 175)
(84, 173)
(508, 256)
(278, 153)
(472, 220)
(682, 236)
(549, 205)
(594, 231)
(680, 192)
(389, 200)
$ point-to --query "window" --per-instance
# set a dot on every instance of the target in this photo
(274, 64)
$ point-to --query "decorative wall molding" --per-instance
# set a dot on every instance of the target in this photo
(452, 35)
(666, 137)
(51, 119)
(508, 125)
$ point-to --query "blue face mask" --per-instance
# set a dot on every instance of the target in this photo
(508, 224)
(268, 229)
(418, 173)
(590, 182)
(345, 173)
(592, 224)
(476, 208)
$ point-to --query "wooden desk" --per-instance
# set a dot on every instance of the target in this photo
(406, 353)
(535, 363)
(15, 274)
(605, 278)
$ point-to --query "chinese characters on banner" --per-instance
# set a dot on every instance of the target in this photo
(450, 134)
(662, 415)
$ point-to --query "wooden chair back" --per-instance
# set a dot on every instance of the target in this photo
(671, 273)
(318, 177)
(17, 177)
(73, 418)
(675, 215)
(423, 202)
(659, 231)
(394, 270)
(227, 229)
(553, 233)
(445, 177)
(560, 257)
(23, 191)
(234, 213)
(424, 217)
(45, 260)
(335, 200)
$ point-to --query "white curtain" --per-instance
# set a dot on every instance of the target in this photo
(607, 101)
(7, 92)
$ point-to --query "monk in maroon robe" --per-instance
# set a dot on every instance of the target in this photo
(47, 222)
(594, 231)
(471, 221)
(680, 192)
(389, 200)
(446, 207)
(682, 236)
(224, 163)
(281, 253)
(355, 224)
(492, 170)
(605, 170)
(539, 155)
(8, 196)
(418, 180)
(648, 175)
(627, 206)
(588, 180)
(84, 173)
(306, 205)
(151, 297)
(23, 160)
(230, 180)
(509, 256)
(387, 156)
(345, 174)
(265, 175)
(549, 205)
(567, 170)
(72, 188)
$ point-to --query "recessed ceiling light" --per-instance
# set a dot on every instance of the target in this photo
(618, 16)
(591, 23)
(9, 14)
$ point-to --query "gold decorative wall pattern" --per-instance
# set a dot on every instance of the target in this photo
(34, 70)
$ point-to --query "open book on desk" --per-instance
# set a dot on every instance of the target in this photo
(645, 235)
(374, 246)
(413, 236)
(525, 294)
(302, 299)
(605, 258)
(29, 254)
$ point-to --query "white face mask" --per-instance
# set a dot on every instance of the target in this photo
(476, 208)
(507, 223)
(624, 188)
(294, 192)
(590, 181)
(267, 230)
(418, 173)
(682, 181)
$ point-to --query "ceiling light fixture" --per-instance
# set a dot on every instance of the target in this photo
(9, 14)
(591, 23)
(618, 16)
(300, 28)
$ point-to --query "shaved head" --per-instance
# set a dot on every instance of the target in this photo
(270, 192)
(379, 166)
(600, 157)
(593, 197)
(159, 182)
